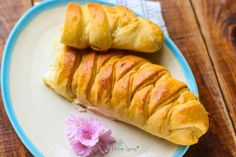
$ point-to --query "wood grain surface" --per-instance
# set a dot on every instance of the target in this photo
(205, 32)
(218, 25)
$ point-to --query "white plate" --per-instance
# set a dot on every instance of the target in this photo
(38, 114)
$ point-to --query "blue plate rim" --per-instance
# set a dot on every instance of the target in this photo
(6, 60)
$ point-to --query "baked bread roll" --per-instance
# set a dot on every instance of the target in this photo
(132, 90)
(102, 27)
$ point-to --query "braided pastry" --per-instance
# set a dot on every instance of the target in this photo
(130, 89)
(102, 27)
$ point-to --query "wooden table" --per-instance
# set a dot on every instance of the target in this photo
(205, 32)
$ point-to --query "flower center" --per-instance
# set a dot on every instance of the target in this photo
(87, 135)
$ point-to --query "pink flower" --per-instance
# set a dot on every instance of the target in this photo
(73, 123)
(81, 149)
(106, 140)
(88, 135)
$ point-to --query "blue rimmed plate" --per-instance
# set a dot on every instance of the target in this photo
(38, 115)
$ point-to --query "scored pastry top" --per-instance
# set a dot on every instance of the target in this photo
(103, 27)
(130, 89)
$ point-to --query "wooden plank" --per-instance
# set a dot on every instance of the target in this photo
(36, 1)
(184, 30)
(10, 145)
(218, 25)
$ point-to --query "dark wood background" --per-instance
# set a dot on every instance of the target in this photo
(205, 32)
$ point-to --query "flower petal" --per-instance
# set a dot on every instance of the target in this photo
(81, 149)
(88, 133)
(105, 136)
(73, 123)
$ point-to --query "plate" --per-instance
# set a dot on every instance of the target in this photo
(38, 115)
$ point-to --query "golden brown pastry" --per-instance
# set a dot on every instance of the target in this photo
(102, 27)
(132, 90)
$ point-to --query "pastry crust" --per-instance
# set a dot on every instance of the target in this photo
(102, 27)
(132, 90)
